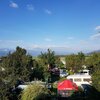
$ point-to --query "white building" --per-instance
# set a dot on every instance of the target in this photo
(80, 79)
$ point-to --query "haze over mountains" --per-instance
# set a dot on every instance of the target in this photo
(37, 51)
(34, 52)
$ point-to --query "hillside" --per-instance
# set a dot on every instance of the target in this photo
(96, 51)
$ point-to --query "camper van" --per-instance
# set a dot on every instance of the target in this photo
(80, 79)
(85, 71)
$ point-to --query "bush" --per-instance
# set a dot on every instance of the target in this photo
(35, 92)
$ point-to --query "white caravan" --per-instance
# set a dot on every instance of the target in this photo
(85, 72)
(80, 79)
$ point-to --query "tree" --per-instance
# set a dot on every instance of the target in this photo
(75, 62)
(37, 71)
(17, 65)
(96, 78)
(93, 62)
(49, 61)
(48, 57)
(81, 59)
(35, 92)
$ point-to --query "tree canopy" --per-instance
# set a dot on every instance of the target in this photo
(19, 65)
(74, 62)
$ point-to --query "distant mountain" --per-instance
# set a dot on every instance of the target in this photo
(37, 51)
(96, 51)
(34, 52)
(5, 51)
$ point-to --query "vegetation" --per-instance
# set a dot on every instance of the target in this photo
(49, 61)
(35, 92)
(74, 62)
(19, 67)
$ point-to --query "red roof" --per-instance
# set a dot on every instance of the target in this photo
(67, 85)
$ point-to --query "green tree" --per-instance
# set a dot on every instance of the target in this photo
(93, 59)
(94, 62)
(81, 59)
(59, 63)
(48, 57)
(17, 65)
(37, 71)
(49, 61)
(35, 92)
(96, 78)
(71, 61)
(75, 62)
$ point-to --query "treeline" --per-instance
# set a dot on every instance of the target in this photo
(19, 65)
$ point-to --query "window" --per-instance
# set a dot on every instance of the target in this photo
(77, 80)
(71, 79)
(87, 79)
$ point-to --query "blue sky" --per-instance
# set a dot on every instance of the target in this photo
(63, 25)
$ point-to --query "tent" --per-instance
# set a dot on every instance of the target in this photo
(66, 88)
(67, 85)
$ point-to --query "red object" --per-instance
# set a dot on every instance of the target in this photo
(67, 85)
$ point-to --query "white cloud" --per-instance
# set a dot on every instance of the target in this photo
(48, 12)
(48, 39)
(95, 36)
(13, 4)
(97, 28)
(30, 7)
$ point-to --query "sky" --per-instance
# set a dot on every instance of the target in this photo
(61, 25)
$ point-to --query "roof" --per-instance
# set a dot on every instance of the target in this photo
(22, 86)
(67, 85)
(79, 76)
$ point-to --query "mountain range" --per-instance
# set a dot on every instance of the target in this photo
(5, 51)
(34, 52)
(37, 51)
(96, 51)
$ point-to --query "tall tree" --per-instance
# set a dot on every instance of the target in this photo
(48, 57)
(75, 62)
(17, 66)
(48, 61)
(94, 61)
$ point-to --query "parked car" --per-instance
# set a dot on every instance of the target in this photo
(63, 73)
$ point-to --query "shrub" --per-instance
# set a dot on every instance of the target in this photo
(34, 92)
